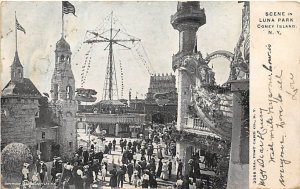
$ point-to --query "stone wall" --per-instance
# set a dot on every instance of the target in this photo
(18, 121)
(67, 136)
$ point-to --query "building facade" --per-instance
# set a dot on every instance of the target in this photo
(210, 117)
(19, 108)
(63, 103)
(161, 99)
(118, 125)
(211, 114)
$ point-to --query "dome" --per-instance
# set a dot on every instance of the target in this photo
(62, 45)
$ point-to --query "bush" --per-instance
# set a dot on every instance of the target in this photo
(14, 156)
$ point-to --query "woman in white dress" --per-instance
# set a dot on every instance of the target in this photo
(103, 171)
(135, 179)
(164, 171)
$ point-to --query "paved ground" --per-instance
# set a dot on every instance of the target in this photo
(114, 157)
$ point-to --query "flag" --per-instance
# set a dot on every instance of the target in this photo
(68, 8)
(19, 27)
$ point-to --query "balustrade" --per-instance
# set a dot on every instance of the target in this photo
(199, 124)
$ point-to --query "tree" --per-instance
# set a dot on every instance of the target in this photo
(14, 155)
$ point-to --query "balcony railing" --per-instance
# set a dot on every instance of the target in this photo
(199, 124)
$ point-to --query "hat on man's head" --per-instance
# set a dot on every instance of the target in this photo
(79, 172)
(25, 164)
(68, 167)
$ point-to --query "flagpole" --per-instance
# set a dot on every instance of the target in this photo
(16, 31)
(62, 19)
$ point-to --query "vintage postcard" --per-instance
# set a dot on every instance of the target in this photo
(150, 94)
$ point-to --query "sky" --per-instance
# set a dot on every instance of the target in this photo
(148, 21)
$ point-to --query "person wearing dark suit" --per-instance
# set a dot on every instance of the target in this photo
(170, 168)
(186, 182)
(121, 177)
(113, 183)
(42, 170)
(85, 157)
(130, 171)
(114, 142)
(179, 169)
(160, 164)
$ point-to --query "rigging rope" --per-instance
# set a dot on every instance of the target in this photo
(137, 50)
(122, 79)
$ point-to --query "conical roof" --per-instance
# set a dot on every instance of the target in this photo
(62, 45)
(16, 62)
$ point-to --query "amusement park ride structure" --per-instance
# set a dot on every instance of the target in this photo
(110, 90)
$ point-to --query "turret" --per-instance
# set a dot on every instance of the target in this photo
(16, 72)
(63, 82)
(187, 20)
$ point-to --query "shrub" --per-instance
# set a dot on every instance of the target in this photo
(14, 156)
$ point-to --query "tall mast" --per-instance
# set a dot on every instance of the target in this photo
(110, 78)
(16, 34)
(110, 90)
(62, 19)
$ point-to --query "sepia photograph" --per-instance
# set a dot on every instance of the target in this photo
(125, 94)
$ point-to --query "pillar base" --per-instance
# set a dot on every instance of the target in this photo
(238, 176)
(184, 151)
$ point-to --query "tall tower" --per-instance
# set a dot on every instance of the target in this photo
(63, 82)
(188, 18)
(63, 98)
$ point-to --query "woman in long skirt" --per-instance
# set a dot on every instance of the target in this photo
(159, 169)
(103, 172)
(164, 173)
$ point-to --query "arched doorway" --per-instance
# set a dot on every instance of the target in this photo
(55, 150)
(158, 118)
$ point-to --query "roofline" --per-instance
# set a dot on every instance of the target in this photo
(21, 96)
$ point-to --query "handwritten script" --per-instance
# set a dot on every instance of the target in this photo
(269, 125)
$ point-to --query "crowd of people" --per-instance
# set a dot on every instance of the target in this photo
(140, 165)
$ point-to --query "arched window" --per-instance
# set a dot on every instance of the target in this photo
(62, 57)
(19, 73)
(69, 92)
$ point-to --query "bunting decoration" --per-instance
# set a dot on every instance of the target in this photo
(122, 79)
